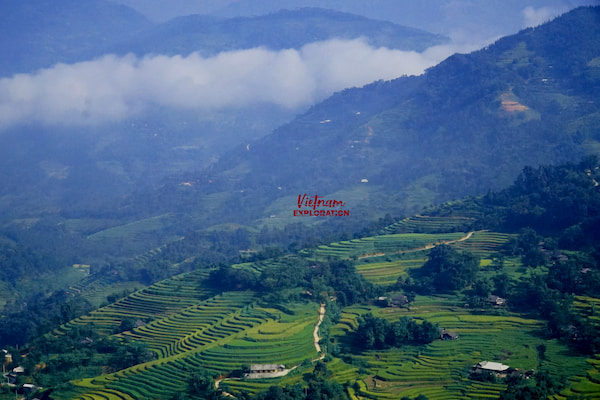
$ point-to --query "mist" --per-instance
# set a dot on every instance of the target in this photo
(537, 16)
(113, 88)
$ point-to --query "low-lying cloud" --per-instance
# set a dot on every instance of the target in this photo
(537, 16)
(114, 88)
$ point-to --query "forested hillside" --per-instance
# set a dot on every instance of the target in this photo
(467, 125)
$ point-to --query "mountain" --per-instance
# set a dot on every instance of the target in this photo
(284, 29)
(40, 33)
(462, 19)
(464, 127)
(50, 166)
(61, 185)
(37, 34)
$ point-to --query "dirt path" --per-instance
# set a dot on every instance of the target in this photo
(218, 382)
(316, 332)
(428, 247)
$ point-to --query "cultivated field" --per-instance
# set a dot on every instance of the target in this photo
(191, 327)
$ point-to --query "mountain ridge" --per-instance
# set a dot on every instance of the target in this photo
(278, 30)
(513, 101)
(37, 34)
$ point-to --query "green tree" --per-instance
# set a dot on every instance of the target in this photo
(449, 269)
(129, 355)
(202, 384)
(502, 284)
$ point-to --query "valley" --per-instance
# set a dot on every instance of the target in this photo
(235, 208)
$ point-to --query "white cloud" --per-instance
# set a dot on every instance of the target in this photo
(114, 88)
(535, 17)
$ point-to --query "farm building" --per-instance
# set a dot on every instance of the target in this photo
(447, 335)
(498, 369)
(266, 368)
(18, 370)
(399, 300)
(496, 300)
(383, 301)
(29, 388)
(86, 341)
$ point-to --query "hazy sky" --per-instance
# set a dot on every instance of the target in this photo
(113, 88)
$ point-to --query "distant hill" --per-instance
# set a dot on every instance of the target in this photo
(37, 34)
(278, 30)
(467, 125)
(53, 174)
(462, 18)
(40, 33)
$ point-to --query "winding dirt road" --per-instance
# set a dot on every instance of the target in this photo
(316, 332)
(429, 246)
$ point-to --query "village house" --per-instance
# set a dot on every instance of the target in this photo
(266, 368)
(447, 335)
(498, 369)
(558, 257)
(11, 377)
(399, 300)
(260, 371)
(496, 300)
(383, 301)
(86, 341)
(29, 388)
(18, 370)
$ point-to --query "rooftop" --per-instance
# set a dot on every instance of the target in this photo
(266, 367)
(492, 366)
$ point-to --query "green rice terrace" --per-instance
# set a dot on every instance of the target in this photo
(189, 325)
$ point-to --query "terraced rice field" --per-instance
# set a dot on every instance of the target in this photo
(89, 284)
(440, 369)
(132, 229)
(161, 299)
(387, 273)
(584, 386)
(191, 327)
(483, 244)
(430, 224)
(384, 244)
(589, 307)
(219, 335)
(98, 294)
